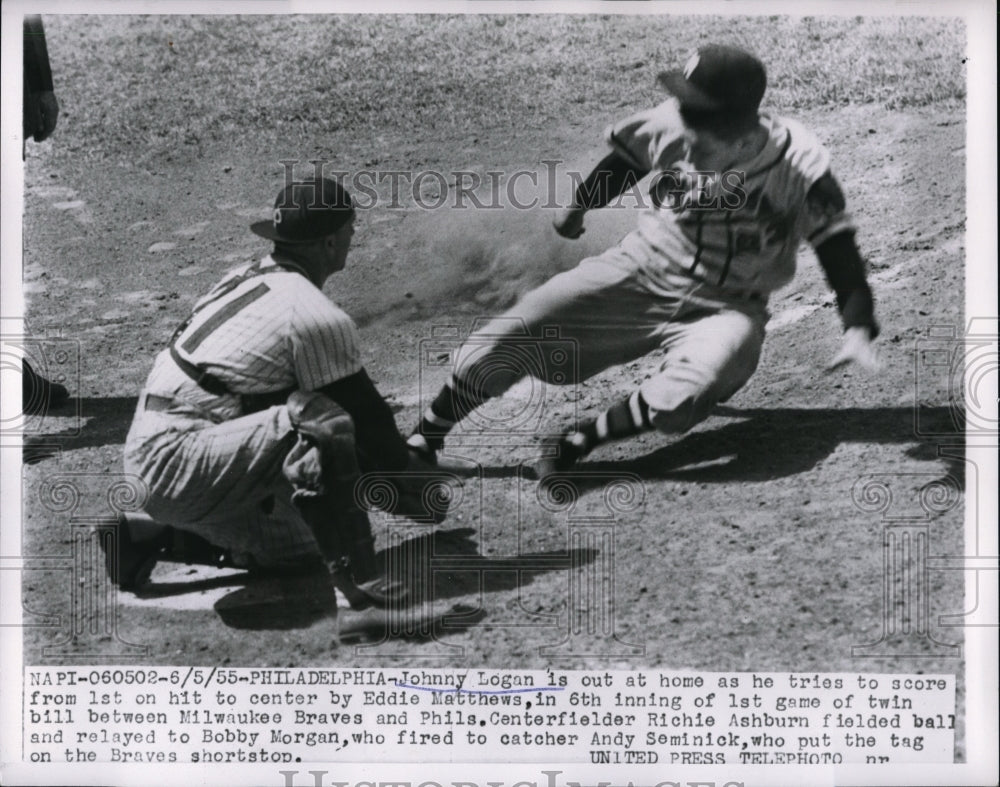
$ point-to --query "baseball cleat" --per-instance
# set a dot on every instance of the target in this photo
(424, 457)
(129, 557)
(558, 455)
(39, 394)
(140, 543)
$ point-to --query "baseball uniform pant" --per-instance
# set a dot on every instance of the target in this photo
(708, 341)
(222, 481)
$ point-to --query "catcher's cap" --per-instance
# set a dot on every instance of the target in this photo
(718, 78)
(305, 211)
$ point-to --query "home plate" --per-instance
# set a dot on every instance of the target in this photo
(182, 587)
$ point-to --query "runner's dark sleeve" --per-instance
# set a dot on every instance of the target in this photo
(845, 271)
(37, 72)
(839, 255)
(380, 445)
(609, 179)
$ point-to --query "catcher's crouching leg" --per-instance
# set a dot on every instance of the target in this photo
(135, 543)
(322, 467)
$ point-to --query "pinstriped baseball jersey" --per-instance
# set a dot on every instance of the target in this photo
(270, 332)
(738, 229)
(210, 468)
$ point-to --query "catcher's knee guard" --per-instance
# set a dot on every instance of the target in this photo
(323, 469)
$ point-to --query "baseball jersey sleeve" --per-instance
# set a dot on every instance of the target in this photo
(651, 139)
(825, 212)
(325, 342)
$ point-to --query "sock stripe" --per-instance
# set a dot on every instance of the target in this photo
(627, 418)
(436, 420)
(601, 426)
(454, 401)
(579, 440)
(639, 410)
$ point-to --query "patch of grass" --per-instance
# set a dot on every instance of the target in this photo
(143, 86)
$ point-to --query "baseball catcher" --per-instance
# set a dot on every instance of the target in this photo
(734, 192)
(257, 421)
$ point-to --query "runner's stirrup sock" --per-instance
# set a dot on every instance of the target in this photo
(627, 418)
(454, 401)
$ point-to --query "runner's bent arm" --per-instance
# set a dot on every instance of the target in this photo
(609, 179)
(839, 255)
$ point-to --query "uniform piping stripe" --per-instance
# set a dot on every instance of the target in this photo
(222, 315)
(729, 249)
(697, 253)
(777, 159)
(841, 224)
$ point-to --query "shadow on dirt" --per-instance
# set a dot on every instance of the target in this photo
(85, 423)
(434, 567)
(776, 443)
(153, 590)
(410, 624)
(278, 603)
(81, 423)
(447, 564)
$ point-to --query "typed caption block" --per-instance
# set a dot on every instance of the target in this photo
(210, 715)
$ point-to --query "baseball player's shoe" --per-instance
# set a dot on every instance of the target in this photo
(140, 542)
(128, 558)
(39, 394)
(558, 455)
(423, 457)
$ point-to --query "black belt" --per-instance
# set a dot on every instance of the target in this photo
(206, 380)
(250, 402)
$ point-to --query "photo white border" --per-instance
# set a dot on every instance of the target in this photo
(981, 272)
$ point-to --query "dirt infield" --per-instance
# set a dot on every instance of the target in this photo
(753, 542)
